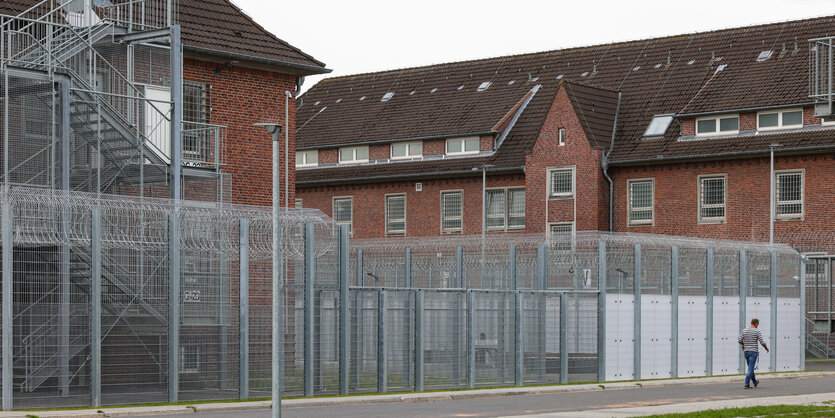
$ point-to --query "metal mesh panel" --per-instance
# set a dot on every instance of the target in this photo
(445, 322)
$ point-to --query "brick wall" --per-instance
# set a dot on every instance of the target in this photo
(748, 202)
(239, 98)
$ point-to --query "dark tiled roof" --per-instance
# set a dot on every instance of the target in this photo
(666, 75)
(220, 26)
(596, 110)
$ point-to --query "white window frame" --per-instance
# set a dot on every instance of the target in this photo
(642, 222)
(506, 215)
(562, 195)
(831, 122)
(305, 158)
(354, 154)
(443, 215)
(700, 199)
(408, 155)
(780, 119)
(717, 118)
(553, 245)
(333, 208)
(463, 148)
(386, 214)
(561, 137)
(802, 201)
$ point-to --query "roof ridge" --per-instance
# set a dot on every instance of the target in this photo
(574, 48)
(272, 35)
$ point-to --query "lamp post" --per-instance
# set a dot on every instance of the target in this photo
(773, 193)
(278, 352)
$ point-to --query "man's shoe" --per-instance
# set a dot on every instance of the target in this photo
(747, 387)
(757, 382)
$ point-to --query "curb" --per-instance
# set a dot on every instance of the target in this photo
(396, 398)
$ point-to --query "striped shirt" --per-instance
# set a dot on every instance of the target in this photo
(749, 338)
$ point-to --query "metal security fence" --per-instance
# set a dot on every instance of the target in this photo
(117, 300)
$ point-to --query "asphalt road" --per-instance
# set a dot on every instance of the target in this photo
(559, 402)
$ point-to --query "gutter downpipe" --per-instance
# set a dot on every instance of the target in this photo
(604, 164)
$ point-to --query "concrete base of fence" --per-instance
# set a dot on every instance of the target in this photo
(402, 397)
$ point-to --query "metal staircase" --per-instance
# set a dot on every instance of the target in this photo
(816, 346)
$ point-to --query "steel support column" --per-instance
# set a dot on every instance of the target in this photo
(419, 346)
(564, 337)
(601, 311)
(173, 307)
(802, 327)
(64, 262)
(243, 304)
(470, 339)
(344, 313)
(382, 358)
(456, 317)
(743, 302)
(409, 283)
(518, 349)
(95, 308)
(356, 326)
(176, 61)
(674, 311)
(309, 279)
(709, 314)
(636, 310)
(541, 284)
(773, 325)
(8, 299)
(512, 267)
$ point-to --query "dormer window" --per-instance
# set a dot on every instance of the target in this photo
(404, 150)
(353, 155)
(779, 119)
(717, 125)
(462, 146)
(307, 158)
(658, 126)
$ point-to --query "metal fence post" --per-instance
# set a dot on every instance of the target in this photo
(95, 308)
(709, 320)
(470, 339)
(309, 279)
(407, 263)
(459, 267)
(601, 311)
(542, 284)
(542, 267)
(407, 376)
(674, 311)
(456, 318)
(382, 358)
(357, 341)
(344, 316)
(518, 350)
(512, 267)
(802, 294)
(773, 324)
(419, 361)
(243, 274)
(743, 302)
(8, 301)
(173, 307)
(503, 318)
(636, 311)
(564, 337)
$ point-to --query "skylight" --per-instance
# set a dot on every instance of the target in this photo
(658, 126)
(584, 74)
(483, 86)
(433, 90)
(637, 67)
(362, 98)
(339, 100)
(412, 93)
(720, 68)
(691, 62)
(559, 77)
(387, 96)
(461, 87)
(764, 55)
(658, 65)
(511, 82)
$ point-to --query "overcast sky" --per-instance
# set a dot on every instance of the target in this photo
(358, 36)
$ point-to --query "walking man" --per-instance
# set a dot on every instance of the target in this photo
(750, 339)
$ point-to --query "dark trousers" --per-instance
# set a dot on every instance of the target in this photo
(751, 359)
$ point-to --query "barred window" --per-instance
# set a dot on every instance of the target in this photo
(789, 194)
(343, 208)
(640, 201)
(712, 198)
(196, 141)
(396, 214)
(505, 209)
(561, 182)
(451, 211)
(562, 236)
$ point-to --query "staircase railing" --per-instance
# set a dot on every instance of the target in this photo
(131, 14)
(814, 345)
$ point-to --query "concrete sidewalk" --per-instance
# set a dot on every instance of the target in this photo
(442, 395)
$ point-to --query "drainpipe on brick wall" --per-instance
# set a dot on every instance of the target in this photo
(604, 164)
(287, 96)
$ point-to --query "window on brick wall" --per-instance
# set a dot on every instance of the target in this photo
(405, 150)
(505, 209)
(780, 119)
(452, 208)
(712, 198)
(396, 214)
(561, 182)
(343, 212)
(640, 201)
(561, 135)
(353, 155)
(561, 236)
(789, 194)
(309, 158)
(198, 142)
(462, 146)
(717, 125)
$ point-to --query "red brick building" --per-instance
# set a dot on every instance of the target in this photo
(693, 118)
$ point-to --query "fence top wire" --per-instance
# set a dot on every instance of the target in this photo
(54, 217)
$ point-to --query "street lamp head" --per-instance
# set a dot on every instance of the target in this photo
(272, 128)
